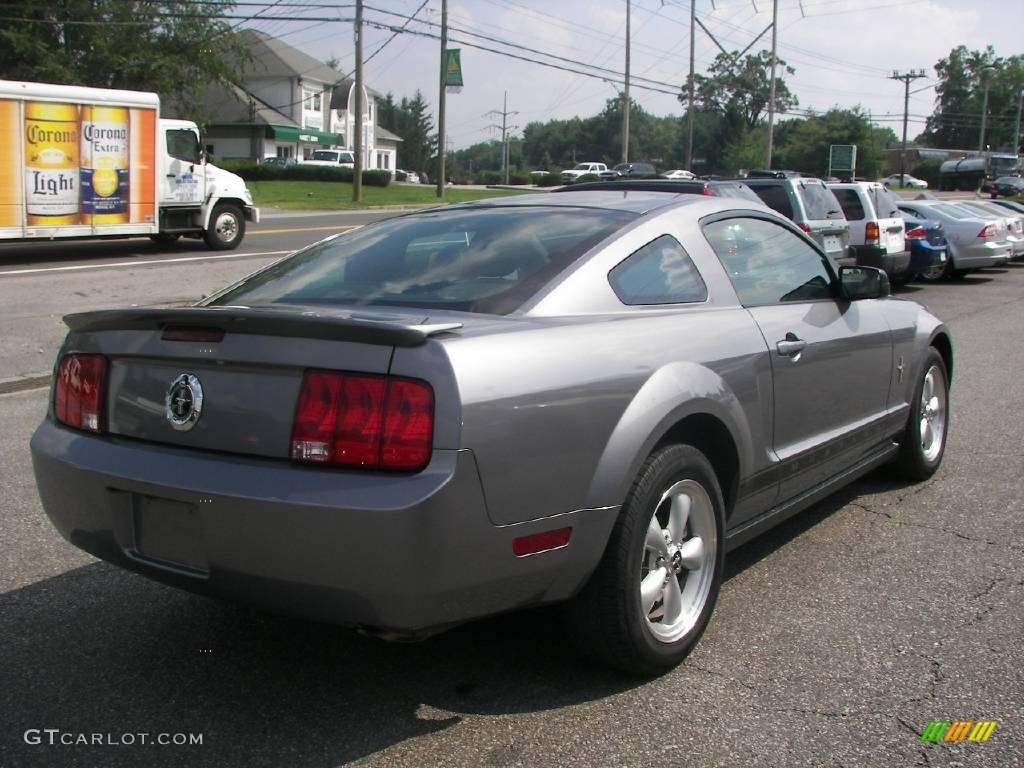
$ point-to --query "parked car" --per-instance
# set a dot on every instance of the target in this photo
(929, 251)
(583, 169)
(338, 158)
(1007, 186)
(907, 182)
(698, 187)
(812, 206)
(282, 161)
(430, 419)
(411, 177)
(764, 173)
(974, 242)
(678, 174)
(626, 170)
(1011, 205)
(1014, 223)
(877, 234)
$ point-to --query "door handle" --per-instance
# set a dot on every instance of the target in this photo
(171, 176)
(791, 346)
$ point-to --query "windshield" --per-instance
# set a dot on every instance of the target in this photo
(325, 154)
(488, 260)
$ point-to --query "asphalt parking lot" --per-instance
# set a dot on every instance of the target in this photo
(837, 638)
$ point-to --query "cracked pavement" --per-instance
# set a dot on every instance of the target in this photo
(838, 636)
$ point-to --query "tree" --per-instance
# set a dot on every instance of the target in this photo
(410, 120)
(803, 144)
(959, 97)
(738, 91)
(173, 47)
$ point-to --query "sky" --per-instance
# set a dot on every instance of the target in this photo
(843, 50)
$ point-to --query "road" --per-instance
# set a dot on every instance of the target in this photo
(41, 283)
(837, 637)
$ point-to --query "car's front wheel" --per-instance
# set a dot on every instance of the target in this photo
(924, 438)
(226, 229)
(650, 598)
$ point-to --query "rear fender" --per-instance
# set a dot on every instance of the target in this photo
(672, 393)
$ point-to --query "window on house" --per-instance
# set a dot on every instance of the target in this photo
(312, 100)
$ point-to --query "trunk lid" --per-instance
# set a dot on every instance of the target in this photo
(249, 364)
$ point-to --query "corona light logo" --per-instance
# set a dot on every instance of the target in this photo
(36, 134)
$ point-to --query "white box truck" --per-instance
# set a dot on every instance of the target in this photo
(93, 162)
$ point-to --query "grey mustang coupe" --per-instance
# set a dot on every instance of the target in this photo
(585, 398)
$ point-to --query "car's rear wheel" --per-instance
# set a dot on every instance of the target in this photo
(924, 438)
(650, 598)
(934, 272)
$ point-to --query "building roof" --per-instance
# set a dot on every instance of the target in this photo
(234, 104)
(274, 58)
(384, 134)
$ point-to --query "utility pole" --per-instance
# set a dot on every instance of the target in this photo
(1016, 126)
(771, 88)
(504, 112)
(625, 96)
(689, 110)
(440, 100)
(907, 78)
(357, 143)
(985, 76)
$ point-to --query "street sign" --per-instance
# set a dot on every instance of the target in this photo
(842, 158)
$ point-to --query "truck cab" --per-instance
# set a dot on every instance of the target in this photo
(195, 197)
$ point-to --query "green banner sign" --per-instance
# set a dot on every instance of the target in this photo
(842, 157)
(453, 70)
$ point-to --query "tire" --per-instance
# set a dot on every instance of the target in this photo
(920, 456)
(165, 238)
(227, 228)
(935, 272)
(610, 619)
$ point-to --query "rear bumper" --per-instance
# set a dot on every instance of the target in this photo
(979, 256)
(924, 255)
(873, 256)
(398, 553)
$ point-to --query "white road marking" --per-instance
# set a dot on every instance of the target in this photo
(141, 262)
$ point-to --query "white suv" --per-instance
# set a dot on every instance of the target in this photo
(877, 234)
(583, 169)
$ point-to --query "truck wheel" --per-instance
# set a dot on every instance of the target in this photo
(227, 228)
(649, 601)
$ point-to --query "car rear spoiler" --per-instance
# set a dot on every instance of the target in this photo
(265, 322)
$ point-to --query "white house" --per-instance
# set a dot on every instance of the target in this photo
(287, 105)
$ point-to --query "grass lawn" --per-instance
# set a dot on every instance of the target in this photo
(334, 194)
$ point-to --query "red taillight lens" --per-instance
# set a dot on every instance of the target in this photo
(871, 233)
(78, 399)
(363, 421)
(707, 191)
(989, 230)
(805, 227)
(916, 233)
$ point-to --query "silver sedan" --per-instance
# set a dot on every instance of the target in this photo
(584, 398)
(975, 240)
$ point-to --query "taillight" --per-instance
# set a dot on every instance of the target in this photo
(805, 227)
(356, 420)
(707, 191)
(916, 233)
(871, 233)
(78, 396)
(989, 230)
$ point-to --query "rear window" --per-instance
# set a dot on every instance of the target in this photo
(489, 260)
(735, 189)
(886, 205)
(819, 202)
(850, 202)
(324, 154)
(775, 197)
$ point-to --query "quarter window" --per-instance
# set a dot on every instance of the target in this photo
(659, 273)
(767, 263)
(850, 201)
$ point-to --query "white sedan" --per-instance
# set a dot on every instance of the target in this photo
(678, 174)
(911, 182)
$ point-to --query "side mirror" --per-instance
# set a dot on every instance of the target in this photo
(857, 283)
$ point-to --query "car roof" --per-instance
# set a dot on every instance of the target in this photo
(633, 200)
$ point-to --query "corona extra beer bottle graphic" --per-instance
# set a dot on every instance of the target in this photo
(51, 164)
(105, 171)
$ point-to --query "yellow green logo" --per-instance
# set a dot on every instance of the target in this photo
(958, 730)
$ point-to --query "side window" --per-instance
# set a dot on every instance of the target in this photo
(850, 202)
(767, 263)
(659, 273)
(775, 197)
(183, 145)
